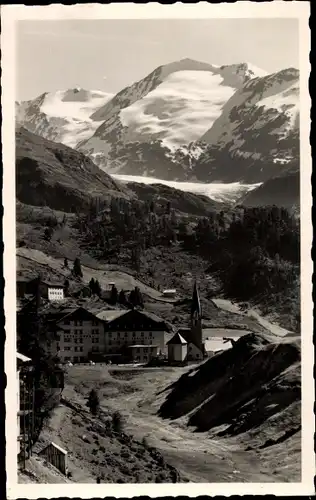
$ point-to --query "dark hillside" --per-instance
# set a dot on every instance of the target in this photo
(239, 390)
(55, 175)
(282, 190)
(185, 202)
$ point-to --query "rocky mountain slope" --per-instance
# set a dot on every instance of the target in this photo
(57, 176)
(282, 190)
(189, 120)
(62, 116)
(257, 131)
(175, 105)
(186, 121)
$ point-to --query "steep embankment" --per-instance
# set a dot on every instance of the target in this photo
(97, 448)
(251, 391)
(57, 176)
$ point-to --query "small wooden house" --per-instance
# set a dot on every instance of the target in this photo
(57, 456)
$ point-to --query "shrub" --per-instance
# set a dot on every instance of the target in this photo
(117, 422)
(93, 402)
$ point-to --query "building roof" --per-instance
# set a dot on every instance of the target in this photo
(22, 358)
(53, 283)
(24, 279)
(141, 345)
(177, 339)
(59, 448)
(111, 315)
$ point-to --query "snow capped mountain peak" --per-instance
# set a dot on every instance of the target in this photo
(62, 116)
(177, 103)
(187, 119)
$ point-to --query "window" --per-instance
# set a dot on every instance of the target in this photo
(142, 334)
(134, 334)
(110, 334)
(138, 349)
(81, 349)
(95, 340)
(150, 335)
(125, 334)
(81, 340)
(67, 348)
(66, 322)
(67, 339)
(67, 358)
(146, 350)
(80, 322)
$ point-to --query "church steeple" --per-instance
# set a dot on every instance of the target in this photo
(196, 317)
(196, 311)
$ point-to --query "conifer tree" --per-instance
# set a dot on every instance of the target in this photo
(93, 402)
(77, 268)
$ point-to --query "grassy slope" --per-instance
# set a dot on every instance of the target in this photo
(96, 450)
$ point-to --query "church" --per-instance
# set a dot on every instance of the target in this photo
(187, 343)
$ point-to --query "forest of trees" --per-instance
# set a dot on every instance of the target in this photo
(253, 251)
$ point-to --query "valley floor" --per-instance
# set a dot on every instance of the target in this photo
(137, 393)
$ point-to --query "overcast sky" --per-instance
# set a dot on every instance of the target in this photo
(110, 54)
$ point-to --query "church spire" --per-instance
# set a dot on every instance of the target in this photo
(196, 304)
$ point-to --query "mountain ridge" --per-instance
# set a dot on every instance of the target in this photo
(185, 121)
